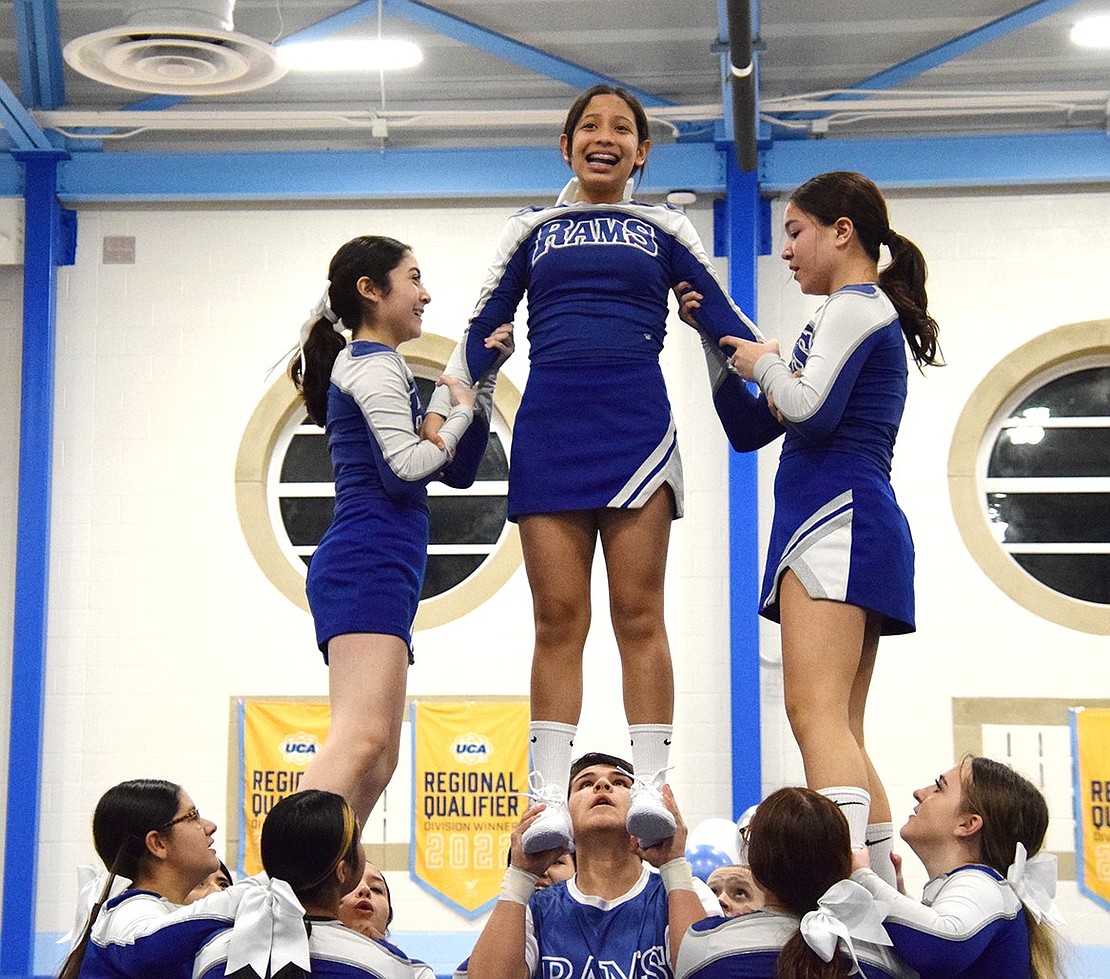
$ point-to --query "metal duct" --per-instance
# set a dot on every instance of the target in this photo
(742, 82)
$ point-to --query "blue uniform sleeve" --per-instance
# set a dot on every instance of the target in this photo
(138, 944)
(745, 417)
(813, 402)
(947, 937)
(383, 394)
(718, 316)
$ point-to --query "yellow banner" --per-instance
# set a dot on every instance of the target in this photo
(1091, 751)
(278, 740)
(470, 773)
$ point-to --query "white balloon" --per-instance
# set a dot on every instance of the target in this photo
(717, 833)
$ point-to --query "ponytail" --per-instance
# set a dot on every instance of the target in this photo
(310, 369)
(798, 961)
(903, 280)
(71, 968)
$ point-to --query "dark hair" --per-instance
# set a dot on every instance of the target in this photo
(372, 256)
(844, 194)
(305, 837)
(592, 758)
(123, 817)
(574, 114)
(1013, 811)
(798, 847)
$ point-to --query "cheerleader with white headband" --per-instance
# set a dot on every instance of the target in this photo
(814, 923)
(988, 907)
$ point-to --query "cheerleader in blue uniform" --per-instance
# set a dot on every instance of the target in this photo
(614, 917)
(839, 570)
(311, 850)
(366, 575)
(594, 451)
(988, 909)
(814, 922)
(149, 834)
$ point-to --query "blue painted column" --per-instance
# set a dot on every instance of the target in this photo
(45, 244)
(740, 211)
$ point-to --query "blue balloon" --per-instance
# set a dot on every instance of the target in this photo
(705, 859)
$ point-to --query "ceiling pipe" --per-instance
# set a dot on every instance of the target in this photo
(742, 82)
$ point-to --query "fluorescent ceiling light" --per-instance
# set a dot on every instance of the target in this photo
(370, 55)
(1092, 32)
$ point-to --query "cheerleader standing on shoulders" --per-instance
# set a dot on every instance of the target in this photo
(366, 575)
(840, 563)
(594, 454)
(988, 905)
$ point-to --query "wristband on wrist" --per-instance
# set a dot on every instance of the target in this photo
(677, 875)
(517, 886)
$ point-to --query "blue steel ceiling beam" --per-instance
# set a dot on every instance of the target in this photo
(1058, 159)
(25, 134)
(1048, 159)
(941, 54)
(964, 44)
(441, 174)
(38, 39)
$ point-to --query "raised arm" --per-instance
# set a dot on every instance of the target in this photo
(507, 947)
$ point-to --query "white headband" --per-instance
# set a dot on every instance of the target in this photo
(90, 885)
(1033, 880)
(845, 911)
(269, 930)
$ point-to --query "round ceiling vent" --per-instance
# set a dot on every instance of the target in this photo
(175, 60)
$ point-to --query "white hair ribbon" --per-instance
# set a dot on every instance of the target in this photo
(844, 912)
(269, 930)
(1033, 880)
(322, 310)
(90, 885)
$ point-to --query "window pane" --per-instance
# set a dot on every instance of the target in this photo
(467, 519)
(307, 460)
(1036, 518)
(495, 464)
(1060, 452)
(1083, 576)
(306, 518)
(447, 570)
(1082, 394)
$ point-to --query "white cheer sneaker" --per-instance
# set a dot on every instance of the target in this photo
(649, 819)
(552, 827)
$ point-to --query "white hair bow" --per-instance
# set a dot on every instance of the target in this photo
(1033, 880)
(321, 309)
(90, 885)
(844, 912)
(269, 930)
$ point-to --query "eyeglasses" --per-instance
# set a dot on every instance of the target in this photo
(185, 817)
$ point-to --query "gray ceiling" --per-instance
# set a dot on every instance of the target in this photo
(665, 47)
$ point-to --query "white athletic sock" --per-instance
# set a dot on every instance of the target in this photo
(651, 746)
(552, 751)
(880, 842)
(855, 803)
